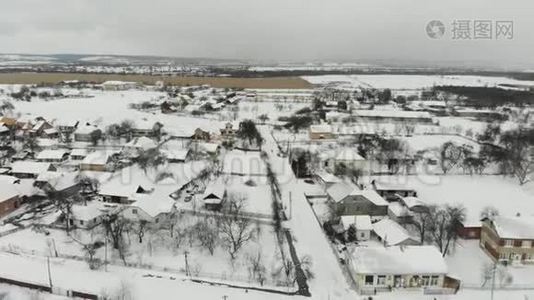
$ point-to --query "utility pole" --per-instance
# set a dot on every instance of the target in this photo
(106, 253)
(49, 272)
(493, 279)
(187, 273)
(290, 206)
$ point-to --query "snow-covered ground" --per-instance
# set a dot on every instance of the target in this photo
(473, 192)
(412, 82)
(107, 107)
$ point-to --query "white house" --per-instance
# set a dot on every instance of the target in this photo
(116, 85)
(83, 132)
(87, 216)
(97, 161)
(53, 155)
(148, 207)
(348, 157)
(214, 196)
(30, 169)
(393, 234)
(384, 268)
(362, 225)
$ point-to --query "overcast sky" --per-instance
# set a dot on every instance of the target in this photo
(324, 30)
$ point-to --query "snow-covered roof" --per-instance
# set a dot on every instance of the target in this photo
(7, 191)
(399, 210)
(208, 147)
(52, 154)
(370, 195)
(153, 206)
(392, 114)
(92, 210)
(59, 181)
(214, 192)
(79, 152)
(180, 154)
(29, 167)
(142, 143)
(50, 130)
(412, 202)
(322, 128)
(348, 154)
(392, 186)
(47, 142)
(362, 222)
(327, 177)
(391, 232)
(114, 188)
(8, 179)
(340, 190)
(97, 158)
(514, 227)
(86, 129)
(399, 260)
(117, 82)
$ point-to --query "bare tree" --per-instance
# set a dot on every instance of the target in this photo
(115, 227)
(450, 155)
(180, 234)
(208, 233)
(421, 222)
(90, 253)
(518, 149)
(256, 268)
(236, 230)
(489, 212)
(445, 225)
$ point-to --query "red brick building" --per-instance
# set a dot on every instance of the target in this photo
(509, 240)
(9, 198)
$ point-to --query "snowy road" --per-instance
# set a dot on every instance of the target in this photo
(329, 281)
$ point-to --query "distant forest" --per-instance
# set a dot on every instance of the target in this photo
(490, 96)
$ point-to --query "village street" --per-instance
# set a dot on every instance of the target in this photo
(329, 281)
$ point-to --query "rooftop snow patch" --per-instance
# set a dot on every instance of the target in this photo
(399, 260)
(391, 232)
(514, 227)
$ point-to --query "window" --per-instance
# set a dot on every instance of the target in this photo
(426, 280)
(369, 280)
(381, 280)
(81, 222)
(434, 280)
(526, 244)
(134, 211)
(508, 243)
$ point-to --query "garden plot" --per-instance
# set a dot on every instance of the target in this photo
(161, 251)
(247, 163)
(435, 141)
(107, 107)
(473, 192)
(255, 189)
(467, 261)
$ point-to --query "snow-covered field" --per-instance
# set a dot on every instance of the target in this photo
(412, 82)
(473, 192)
(107, 107)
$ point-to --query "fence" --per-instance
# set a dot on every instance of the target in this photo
(219, 278)
(48, 289)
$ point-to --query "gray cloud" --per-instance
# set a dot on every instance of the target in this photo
(264, 29)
